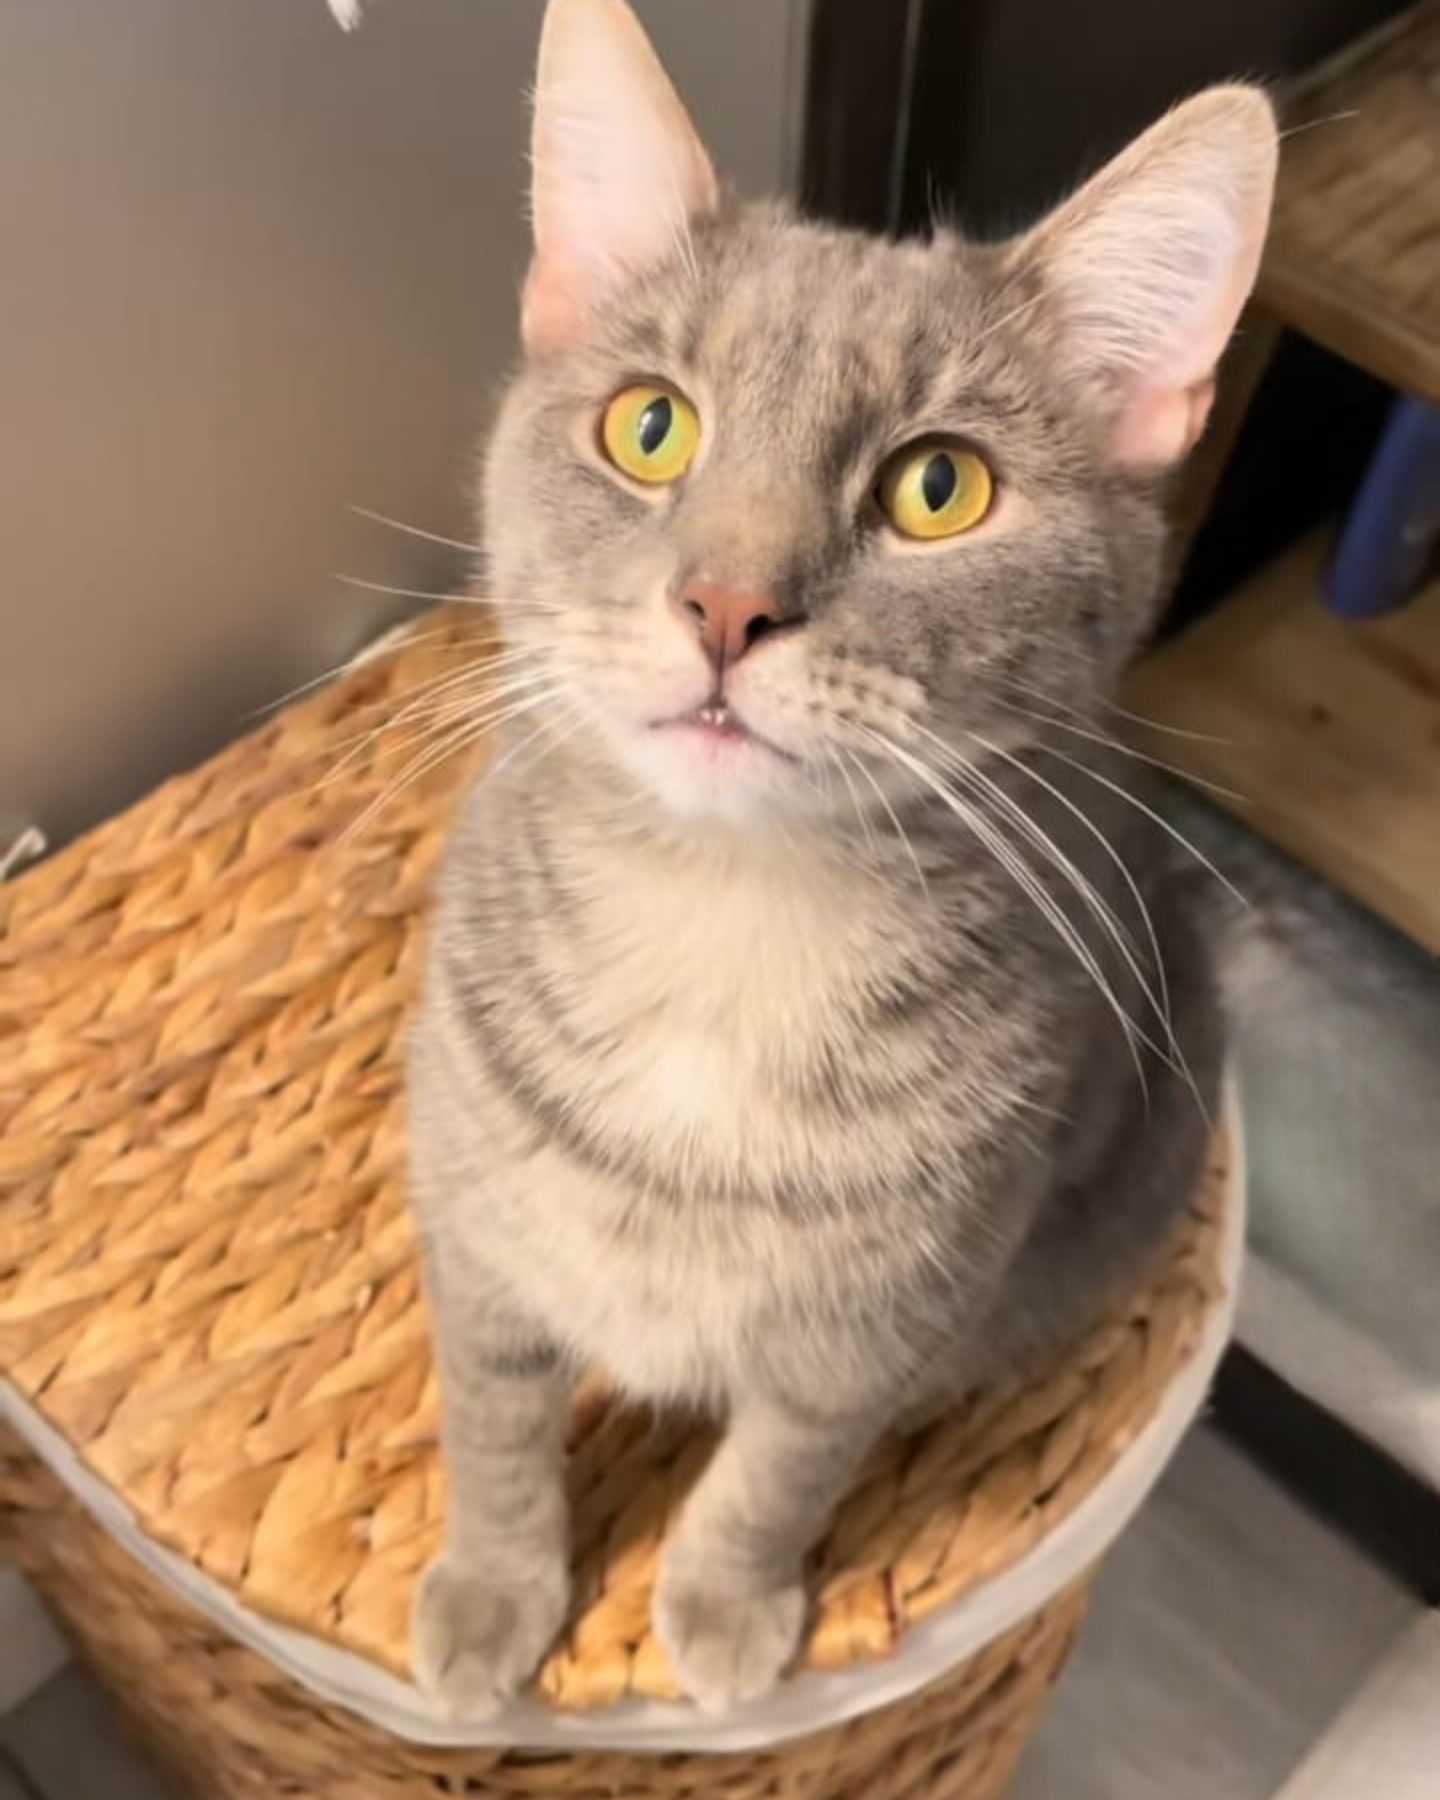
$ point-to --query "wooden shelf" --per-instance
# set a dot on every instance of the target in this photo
(1353, 259)
(1330, 731)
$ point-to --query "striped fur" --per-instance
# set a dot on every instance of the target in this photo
(776, 1089)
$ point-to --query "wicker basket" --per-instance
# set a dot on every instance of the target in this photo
(221, 1465)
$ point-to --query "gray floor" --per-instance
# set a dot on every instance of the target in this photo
(1228, 1632)
(63, 1744)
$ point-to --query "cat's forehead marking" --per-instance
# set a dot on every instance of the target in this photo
(837, 342)
(828, 292)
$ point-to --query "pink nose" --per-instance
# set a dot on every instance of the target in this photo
(729, 622)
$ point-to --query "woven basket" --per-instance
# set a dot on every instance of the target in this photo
(222, 1466)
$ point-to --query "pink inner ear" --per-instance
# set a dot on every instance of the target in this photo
(619, 172)
(1164, 415)
(552, 312)
(1157, 426)
(1150, 265)
(597, 225)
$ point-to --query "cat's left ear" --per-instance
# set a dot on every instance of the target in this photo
(619, 172)
(1145, 270)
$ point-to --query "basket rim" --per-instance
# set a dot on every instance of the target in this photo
(809, 1701)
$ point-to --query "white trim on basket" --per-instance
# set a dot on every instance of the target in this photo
(807, 1702)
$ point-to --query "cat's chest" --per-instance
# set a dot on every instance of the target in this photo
(709, 1014)
(678, 1293)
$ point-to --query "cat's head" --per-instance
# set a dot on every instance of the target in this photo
(781, 516)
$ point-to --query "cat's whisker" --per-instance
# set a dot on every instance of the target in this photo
(1121, 866)
(821, 780)
(841, 757)
(477, 669)
(679, 222)
(1123, 793)
(984, 788)
(411, 774)
(1023, 875)
(429, 732)
(433, 715)
(1094, 903)
(894, 818)
(473, 706)
(972, 773)
(1158, 1001)
(479, 675)
(1175, 731)
(1111, 706)
(823, 789)
(366, 653)
(1016, 312)
(457, 740)
(571, 718)
(1122, 936)
(421, 703)
(448, 598)
(479, 689)
(1121, 749)
(433, 537)
(1335, 118)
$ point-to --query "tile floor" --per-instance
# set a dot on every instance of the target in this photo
(1229, 1633)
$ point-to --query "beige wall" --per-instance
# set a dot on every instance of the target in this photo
(253, 270)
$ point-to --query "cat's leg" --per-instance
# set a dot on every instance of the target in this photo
(491, 1603)
(730, 1603)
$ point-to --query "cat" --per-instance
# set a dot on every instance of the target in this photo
(811, 1029)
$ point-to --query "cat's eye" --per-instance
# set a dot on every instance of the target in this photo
(935, 490)
(650, 433)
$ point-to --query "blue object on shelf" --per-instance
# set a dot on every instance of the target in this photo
(1391, 539)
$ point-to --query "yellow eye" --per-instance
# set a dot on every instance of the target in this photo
(935, 490)
(650, 433)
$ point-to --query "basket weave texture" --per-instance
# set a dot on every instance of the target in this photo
(232, 1727)
(207, 1273)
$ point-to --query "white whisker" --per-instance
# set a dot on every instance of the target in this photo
(366, 653)
(1159, 819)
(1114, 744)
(894, 817)
(433, 537)
(478, 675)
(572, 722)
(434, 717)
(1123, 869)
(1016, 312)
(1073, 712)
(1337, 118)
(841, 758)
(498, 607)
(1095, 903)
(1159, 1005)
(445, 710)
(458, 740)
(1024, 877)
(1175, 731)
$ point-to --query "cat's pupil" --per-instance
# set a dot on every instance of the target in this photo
(654, 425)
(938, 482)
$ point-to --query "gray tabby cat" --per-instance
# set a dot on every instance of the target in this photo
(810, 1030)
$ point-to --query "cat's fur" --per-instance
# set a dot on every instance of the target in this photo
(771, 1083)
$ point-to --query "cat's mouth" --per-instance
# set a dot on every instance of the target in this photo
(716, 726)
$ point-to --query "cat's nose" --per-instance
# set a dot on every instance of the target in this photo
(729, 620)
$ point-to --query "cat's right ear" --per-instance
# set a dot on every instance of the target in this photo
(618, 170)
(1142, 275)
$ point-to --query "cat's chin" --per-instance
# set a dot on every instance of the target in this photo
(702, 769)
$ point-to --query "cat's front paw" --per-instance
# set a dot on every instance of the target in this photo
(477, 1637)
(726, 1644)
